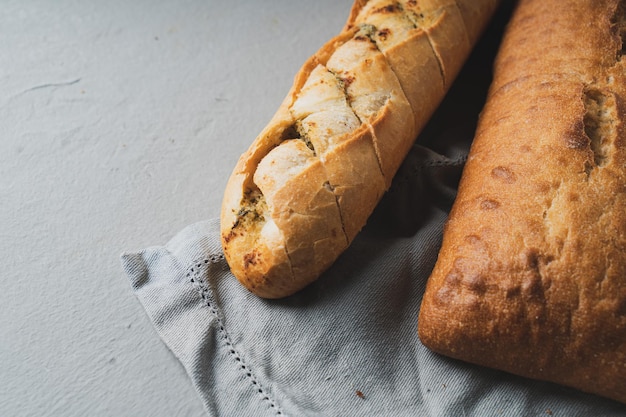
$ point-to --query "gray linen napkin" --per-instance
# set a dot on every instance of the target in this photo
(346, 345)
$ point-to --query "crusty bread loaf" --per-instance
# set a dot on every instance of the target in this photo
(531, 276)
(310, 180)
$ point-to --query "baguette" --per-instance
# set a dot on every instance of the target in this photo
(531, 275)
(308, 183)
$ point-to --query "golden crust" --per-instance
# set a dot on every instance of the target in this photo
(310, 180)
(588, 50)
(352, 169)
(410, 56)
(472, 12)
(531, 276)
(377, 99)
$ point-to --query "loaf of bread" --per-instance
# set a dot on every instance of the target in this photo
(310, 180)
(531, 275)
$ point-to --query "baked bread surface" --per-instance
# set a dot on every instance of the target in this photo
(307, 184)
(531, 276)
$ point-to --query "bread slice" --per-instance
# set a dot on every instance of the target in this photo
(531, 276)
(310, 180)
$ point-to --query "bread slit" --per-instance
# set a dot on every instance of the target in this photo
(376, 96)
(599, 121)
(436, 19)
(303, 215)
(326, 117)
(407, 50)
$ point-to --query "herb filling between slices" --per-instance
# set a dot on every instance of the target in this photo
(253, 206)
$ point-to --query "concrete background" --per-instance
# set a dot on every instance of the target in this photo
(120, 122)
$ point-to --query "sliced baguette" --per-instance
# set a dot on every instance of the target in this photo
(310, 180)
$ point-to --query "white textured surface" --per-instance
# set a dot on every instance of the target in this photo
(120, 122)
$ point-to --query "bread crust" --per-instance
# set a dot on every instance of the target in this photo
(531, 276)
(307, 184)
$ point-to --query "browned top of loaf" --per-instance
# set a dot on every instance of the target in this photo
(531, 277)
